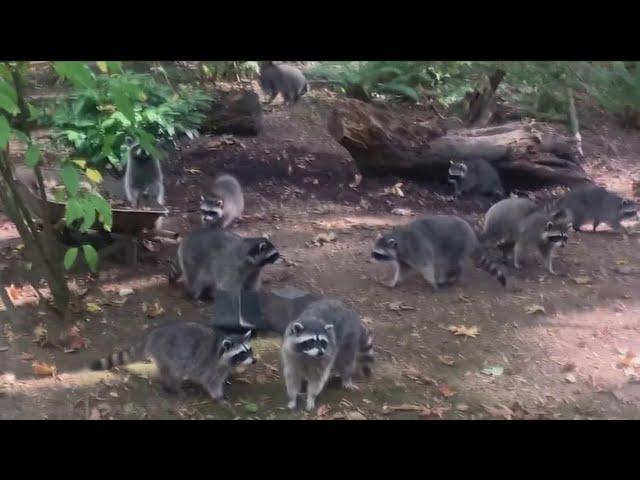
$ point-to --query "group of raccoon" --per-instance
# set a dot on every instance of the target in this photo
(329, 338)
(326, 338)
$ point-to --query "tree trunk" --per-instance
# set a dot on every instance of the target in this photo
(238, 113)
(482, 102)
(382, 143)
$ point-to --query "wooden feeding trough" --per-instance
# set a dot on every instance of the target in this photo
(128, 224)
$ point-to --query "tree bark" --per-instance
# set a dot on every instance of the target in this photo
(238, 113)
(482, 102)
(382, 143)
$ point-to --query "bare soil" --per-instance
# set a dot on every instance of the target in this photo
(560, 360)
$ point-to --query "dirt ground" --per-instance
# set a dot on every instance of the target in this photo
(547, 347)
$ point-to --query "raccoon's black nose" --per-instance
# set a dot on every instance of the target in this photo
(320, 353)
(253, 361)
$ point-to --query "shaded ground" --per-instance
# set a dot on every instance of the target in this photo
(562, 362)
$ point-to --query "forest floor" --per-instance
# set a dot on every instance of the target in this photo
(546, 347)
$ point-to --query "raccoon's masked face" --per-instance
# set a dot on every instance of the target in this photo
(555, 233)
(385, 248)
(457, 171)
(261, 252)
(628, 209)
(313, 342)
(212, 209)
(235, 350)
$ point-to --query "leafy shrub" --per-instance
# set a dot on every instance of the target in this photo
(229, 70)
(103, 109)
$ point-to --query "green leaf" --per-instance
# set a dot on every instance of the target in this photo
(251, 407)
(88, 214)
(147, 142)
(5, 130)
(123, 104)
(7, 104)
(32, 155)
(77, 73)
(70, 257)
(104, 210)
(102, 66)
(70, 178)
(73, 211)
(91, 256)
(114, 66)
(21, 136)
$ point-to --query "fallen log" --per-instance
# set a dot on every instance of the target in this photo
(236, 113)
(384, 143)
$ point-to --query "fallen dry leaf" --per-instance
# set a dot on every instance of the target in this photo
(570, 378)
(628, 360)
(322, 238)
(403, 212)
(464, 330)
(73, 340)
(13, 292)
(395, 190)
(152, 310)
(446, 390)
(150, 245)
(366, 320)
(355, 415)
(322, 411)
(407, 407)
(397, 306)
(8, 333)
(464, 298)
(91, 307)
(123, 292)
(40, 335)
(27, 357)
(95, 414)
(416, 376)
(357, 178)
(500, 411)
(531, 309)
(446, 359)
(581, 280)
(43, 369)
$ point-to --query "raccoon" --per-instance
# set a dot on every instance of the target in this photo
(212, 259)
(517, 225)
(284, 79)
(187, 351)
(475, 177)
(592, 203)
(326, 338)
(224, 202)
(437, 246)
(143, 176)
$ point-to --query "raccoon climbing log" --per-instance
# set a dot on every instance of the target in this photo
(387, 143)
(235, 112)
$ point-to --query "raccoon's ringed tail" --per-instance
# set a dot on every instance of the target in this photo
(365, 354)
(116, 359)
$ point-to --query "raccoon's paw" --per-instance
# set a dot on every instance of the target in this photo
(292, 405)
(310, 406)
(350, 386)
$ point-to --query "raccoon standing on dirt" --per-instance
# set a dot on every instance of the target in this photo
(223, 203)
(284, 79)
(477, 177)
(187, 351)
(592, 203)
(212, 259)
(143, 175)
(438, 247)
(327, 337)
(519, 225)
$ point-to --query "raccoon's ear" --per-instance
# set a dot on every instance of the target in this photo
(129, 141)
(328, 327)
(451, 162)
(247, 336)
(392, 243)
(549, 226)
(226, 344)
(202, 198)
(297, 328)
(625, 202)
(219, 203)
